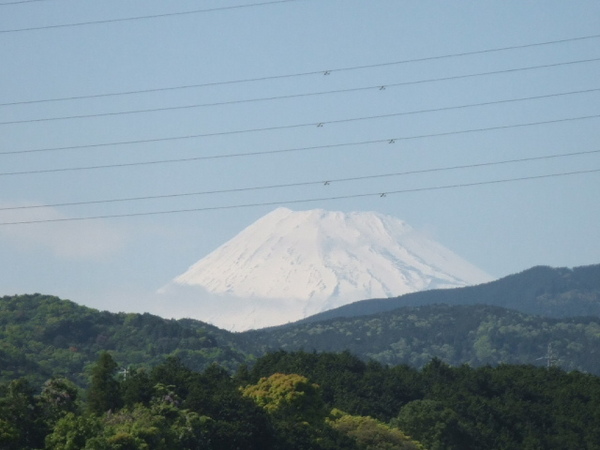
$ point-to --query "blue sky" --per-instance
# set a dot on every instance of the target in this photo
(452, 98)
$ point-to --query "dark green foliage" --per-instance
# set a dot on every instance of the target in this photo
(448, 376)
(437, 426)
(506, 407)
(347, 382)
(298, 413)
(235, 417)
(21, 419)
(544, 291)
(172, 372)
(72, 432)
(136, 387)
(43, 336)
(104, 393)
(373, 407)
(476, 334)
(59, 397)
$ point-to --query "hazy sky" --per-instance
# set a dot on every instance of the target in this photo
(219, 96)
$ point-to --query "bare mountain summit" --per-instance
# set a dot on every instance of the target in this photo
(289, 265)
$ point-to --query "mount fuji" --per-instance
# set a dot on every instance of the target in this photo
(292, 264)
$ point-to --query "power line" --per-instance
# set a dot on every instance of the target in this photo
(304, 183)
(310, 124)
(21, 1)
(198, 158)
(262, 99)
(230, 155)
(153, 16)
(306, 200)
(380, 87)
(320, 72)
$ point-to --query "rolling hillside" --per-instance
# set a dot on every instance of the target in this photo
(42, 336)
(544, 291)
(471, 334)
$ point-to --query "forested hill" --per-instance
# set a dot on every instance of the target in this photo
(472, 334)
(305, 400)
(43, 336)
(544, 291)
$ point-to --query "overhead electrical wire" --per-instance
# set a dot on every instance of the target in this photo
(306, 200)
(318, 72)
(228, 155)
(319, 124)
(147, 17)
(283, 97)
(390, 140)
(21, 1)
(197, 158)
(303, 183)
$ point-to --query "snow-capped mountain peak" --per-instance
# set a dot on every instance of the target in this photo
(309, 261)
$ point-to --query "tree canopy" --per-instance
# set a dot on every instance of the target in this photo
(307, 400)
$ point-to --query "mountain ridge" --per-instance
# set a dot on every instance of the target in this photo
(456, 334)
(315, 260)
(43, 334)
(529, 294)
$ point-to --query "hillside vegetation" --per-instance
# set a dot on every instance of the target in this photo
(475, 335)
(42, 335)
(543, 291)
(306, 401)
(436, 376)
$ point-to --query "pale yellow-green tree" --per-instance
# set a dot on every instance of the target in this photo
(371, 434)
(288, 397)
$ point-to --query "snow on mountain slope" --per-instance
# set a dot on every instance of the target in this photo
(305, 262)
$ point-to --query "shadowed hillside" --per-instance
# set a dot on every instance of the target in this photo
(544, 291)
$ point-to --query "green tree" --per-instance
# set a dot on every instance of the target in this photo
(433, 424)
(59, 397)
(371, 434)
(21, 422)
(136, 387)
(289, 397)
(104, 392)
(73, 432)
(236, 420)
(298, 413)
(9, 435)
(172, 372)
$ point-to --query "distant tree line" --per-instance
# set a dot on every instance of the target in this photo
(303, 400)
(43, 336)
(473, 334)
